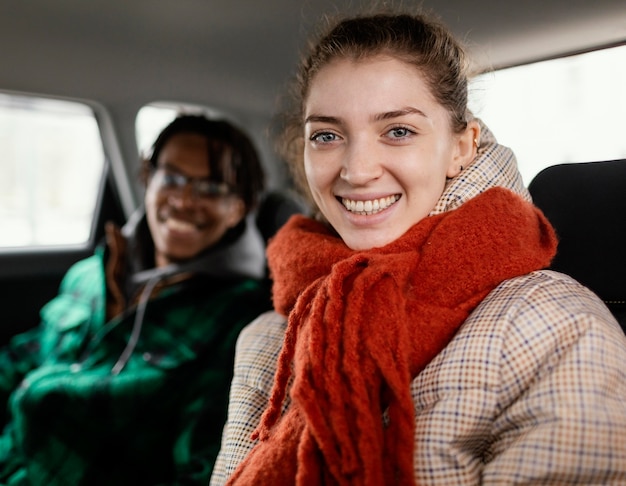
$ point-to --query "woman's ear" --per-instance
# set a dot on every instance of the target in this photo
(466, 148)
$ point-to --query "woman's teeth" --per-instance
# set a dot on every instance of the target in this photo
(371, 206)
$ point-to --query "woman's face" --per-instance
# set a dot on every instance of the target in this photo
(186, 220)
(378, 148)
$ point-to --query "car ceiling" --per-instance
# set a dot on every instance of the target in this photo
(239, 53)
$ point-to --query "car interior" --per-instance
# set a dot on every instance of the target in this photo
(234, 60)
(585, 203)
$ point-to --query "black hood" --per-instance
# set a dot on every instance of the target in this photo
(240, 253)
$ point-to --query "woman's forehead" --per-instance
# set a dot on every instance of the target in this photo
(381, 83)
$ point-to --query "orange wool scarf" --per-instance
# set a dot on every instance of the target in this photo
(363, 324)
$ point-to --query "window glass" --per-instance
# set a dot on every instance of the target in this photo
(153, 118)
(563, 110)
(50, 170)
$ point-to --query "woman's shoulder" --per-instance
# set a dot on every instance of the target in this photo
(539, 362)
(541, 307)
(527, 322)
(258, 347)
(268, 329)
(547, 297)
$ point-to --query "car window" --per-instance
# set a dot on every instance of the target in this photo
(153, 117)
(50, 171)
(562, 110)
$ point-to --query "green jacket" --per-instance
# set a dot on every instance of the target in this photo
(71, 420)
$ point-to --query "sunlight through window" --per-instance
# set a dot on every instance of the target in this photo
(563, 110)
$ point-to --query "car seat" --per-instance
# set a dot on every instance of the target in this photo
(586, 204)
(275, 208)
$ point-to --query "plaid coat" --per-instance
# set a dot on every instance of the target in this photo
(531, 390)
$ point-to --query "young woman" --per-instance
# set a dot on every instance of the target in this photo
(416, 338)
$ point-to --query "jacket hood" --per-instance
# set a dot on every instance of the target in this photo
(240, 254)
(494, 165)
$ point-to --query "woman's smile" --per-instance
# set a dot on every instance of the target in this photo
(369, 206)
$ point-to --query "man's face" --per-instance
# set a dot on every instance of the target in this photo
(187, 212)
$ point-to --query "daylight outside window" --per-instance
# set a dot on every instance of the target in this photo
(557, 111)
(50, 170)
(154, 117)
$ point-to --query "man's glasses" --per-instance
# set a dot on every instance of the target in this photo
(167, 180)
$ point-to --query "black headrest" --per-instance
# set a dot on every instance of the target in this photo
(586, 204)
(275, 208)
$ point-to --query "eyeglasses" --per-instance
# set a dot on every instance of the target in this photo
(166, 180)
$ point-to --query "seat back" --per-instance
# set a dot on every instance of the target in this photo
(275, 208)
(586, 204)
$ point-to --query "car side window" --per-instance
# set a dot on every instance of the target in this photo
(50, 171)
(153, 117)
(569, 109)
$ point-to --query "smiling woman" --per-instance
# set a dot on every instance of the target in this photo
(353, 141)
(409, 345)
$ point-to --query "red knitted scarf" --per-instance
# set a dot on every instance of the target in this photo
(363, 324)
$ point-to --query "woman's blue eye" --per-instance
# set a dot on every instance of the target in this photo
(399, 132)
(324, 137)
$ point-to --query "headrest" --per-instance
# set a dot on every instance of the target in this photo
(586, 203)
(275, 208)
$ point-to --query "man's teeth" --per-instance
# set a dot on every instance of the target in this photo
(371, 206)
(180, 225)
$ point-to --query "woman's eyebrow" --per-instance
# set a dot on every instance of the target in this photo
(322, 119)
(409, 110)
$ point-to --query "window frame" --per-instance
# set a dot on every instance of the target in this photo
(30, 275)
(113, 178)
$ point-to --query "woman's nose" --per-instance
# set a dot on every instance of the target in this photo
(361, 164)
